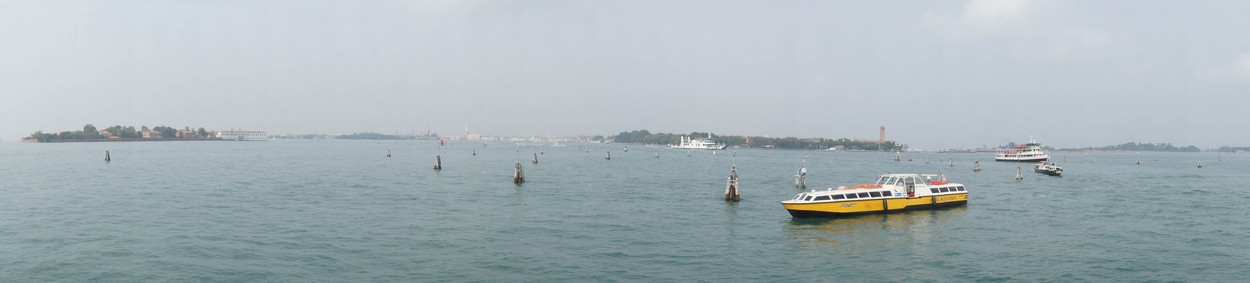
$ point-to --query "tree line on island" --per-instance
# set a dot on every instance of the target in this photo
(126, 132)
(646, 137)
(1132, 146)
(1236, 149)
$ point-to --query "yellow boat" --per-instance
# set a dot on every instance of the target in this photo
(890, 193)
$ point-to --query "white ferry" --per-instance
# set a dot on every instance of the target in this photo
(1030, 152)
(693, 143)
(243, 135)
(890, 193)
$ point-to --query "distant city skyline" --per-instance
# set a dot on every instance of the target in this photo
(936, 74)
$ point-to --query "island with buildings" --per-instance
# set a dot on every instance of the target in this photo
(118, 133)
(881, 144)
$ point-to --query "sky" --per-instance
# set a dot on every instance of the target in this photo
(936, 74)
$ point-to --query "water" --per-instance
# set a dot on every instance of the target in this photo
(343, 211)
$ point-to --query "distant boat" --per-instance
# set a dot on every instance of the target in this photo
(1030, 152)
(693, 143)
(556, 143)
(608, 157)
(898, 156)
(1199, 163)
(976, 166)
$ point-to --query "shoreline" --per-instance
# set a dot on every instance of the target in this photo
(122, 140)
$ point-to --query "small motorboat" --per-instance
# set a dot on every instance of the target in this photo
(1048, 168)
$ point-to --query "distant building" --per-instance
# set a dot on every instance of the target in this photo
(186, 134)
(151, 134)
(243, 135)
(882, 140)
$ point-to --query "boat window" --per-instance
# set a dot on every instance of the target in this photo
(838, 197)
(822, 198)
(851, 196)
(933, 190)
(892, 181)
(943, 189)
(909, 181)
(961, 188)
(881, 180)
(863, 195)
(875, 194)
(809, 198)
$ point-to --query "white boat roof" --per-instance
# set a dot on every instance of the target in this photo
(856, 188)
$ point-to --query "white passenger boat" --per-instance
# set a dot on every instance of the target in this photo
(693, 143)
(890, 193)
(1030, 152)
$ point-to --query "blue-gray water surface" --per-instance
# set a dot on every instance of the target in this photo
(335, 210)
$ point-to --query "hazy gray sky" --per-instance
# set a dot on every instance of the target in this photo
(935, 73)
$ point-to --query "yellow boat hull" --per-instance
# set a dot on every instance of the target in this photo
(852, 207)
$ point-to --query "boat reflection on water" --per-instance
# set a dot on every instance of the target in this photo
(850, 235)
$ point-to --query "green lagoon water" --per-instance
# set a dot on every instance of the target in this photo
(342, 211)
